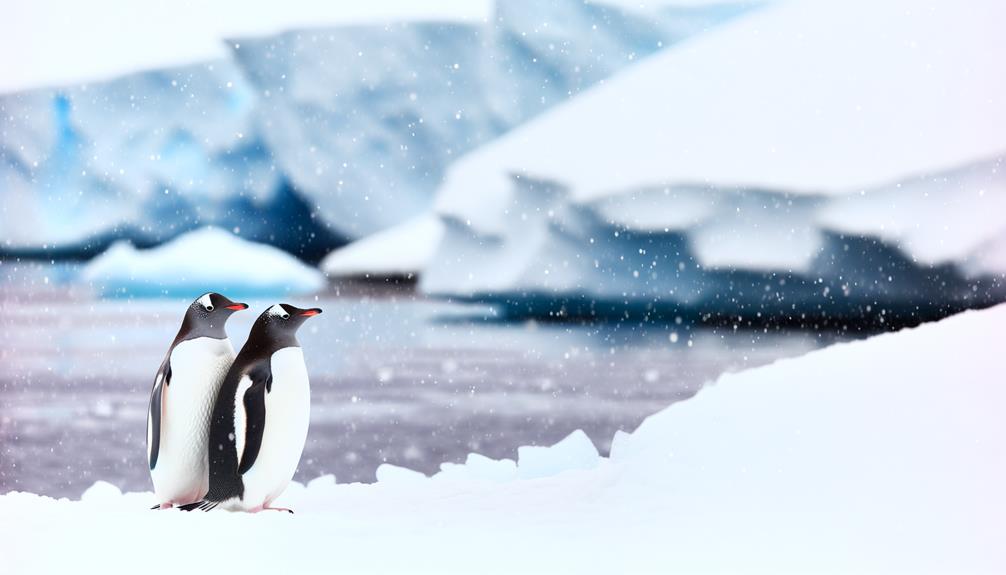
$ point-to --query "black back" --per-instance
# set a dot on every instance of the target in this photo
(274, 330)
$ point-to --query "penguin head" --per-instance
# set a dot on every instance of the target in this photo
(213, 308)
(206, 317)
(285, 318)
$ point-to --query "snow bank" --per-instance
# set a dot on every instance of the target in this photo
(883, 455)
(209, 259)
(404, 249)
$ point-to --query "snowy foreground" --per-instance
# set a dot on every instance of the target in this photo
(884, 455)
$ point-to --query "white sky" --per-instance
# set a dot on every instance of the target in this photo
(58, 42)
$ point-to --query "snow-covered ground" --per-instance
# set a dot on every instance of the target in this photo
(208, 259)
(885, 455)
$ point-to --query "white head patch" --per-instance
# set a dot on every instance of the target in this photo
(278, 310)
(205, 300)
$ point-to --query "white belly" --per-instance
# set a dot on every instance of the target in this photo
(287, 416)
(198, 368)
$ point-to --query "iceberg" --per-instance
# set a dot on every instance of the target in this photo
(137, 158)
(104, 48)
(742, 255)
(329, 134)
(208, 259)
(881, 455)
(366, 119)
(755, 171)
(399, 251)
(779, 99)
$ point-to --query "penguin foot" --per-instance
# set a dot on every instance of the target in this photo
(162, 506)
(264, 508)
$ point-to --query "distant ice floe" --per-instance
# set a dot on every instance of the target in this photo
(881, 455)
(402, 250)
(209, 259)
(769, 167)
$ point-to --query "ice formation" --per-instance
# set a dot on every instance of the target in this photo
(104, 48)
(344, 130)
(369, 138)
(883, 455)
(923, 247)
(402, 250)
(779, 99)
(787, 178)
(208, 259)
(145, 158)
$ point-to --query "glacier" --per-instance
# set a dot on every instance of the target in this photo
(104, 48)
(368, 133)
(144, 158)
(305, 139)
(778, 99)
(919, 249)
(880, 455)
(776, 185)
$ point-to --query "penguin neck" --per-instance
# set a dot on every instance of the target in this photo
(262, 343)
(192, 329)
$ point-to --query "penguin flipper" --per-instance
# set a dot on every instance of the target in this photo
(253, 404)
(155, 413)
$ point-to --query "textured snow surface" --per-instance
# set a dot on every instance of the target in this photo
(820, 96)
(884, 455)
(208, 259)
(404, 249)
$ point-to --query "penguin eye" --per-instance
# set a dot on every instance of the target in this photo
(285, 316)
(209, 307)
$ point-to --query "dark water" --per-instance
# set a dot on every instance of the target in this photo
(395, 379)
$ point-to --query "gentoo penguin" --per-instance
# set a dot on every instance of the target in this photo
(181, 401)
(261, 416)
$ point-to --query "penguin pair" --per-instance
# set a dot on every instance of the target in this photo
(223, 429)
